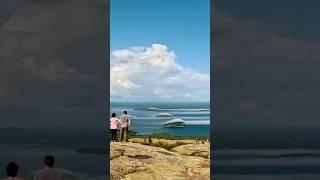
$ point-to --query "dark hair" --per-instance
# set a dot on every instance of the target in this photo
(12, 169)
(125, 112)
(49, 161)
(113, 114)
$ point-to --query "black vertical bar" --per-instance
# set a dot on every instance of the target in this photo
(211, 94)
(107, 99)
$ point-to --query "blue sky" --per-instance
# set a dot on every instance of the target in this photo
(172, 62)
(182, 25)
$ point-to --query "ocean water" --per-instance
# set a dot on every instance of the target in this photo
(29, 158)
(266, 153)
(27, 147)
(276, 164)
(145, 120)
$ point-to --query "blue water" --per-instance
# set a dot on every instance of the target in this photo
(29, 157)
(144, 121)
(266, 163)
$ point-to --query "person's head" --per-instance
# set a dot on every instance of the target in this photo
(49, 161)
(113, 114)
(12, 169)
(125, 112)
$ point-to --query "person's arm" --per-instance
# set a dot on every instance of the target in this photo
(120, 120)
(129, 121)
(118, 123)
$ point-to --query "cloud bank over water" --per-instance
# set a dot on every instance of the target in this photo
(52, 63)
(153, 73)
(263, 77)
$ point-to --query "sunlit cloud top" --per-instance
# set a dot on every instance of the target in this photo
(152, 73)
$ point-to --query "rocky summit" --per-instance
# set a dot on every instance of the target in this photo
(136, 161)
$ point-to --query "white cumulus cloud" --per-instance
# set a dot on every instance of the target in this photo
(152, 73)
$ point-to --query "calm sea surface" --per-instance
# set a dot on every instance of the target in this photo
(145, 120)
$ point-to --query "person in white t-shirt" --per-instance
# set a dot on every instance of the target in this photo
(125, 123)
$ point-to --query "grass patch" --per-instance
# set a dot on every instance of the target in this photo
(167, 146)
(149, 137)
(161, 144)
(133, 134)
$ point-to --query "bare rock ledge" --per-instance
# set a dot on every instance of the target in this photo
(135, 161)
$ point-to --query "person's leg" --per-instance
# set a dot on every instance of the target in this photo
(110, 134)
(121, 134)
(126, 132)
(113, 135)
(118, 138)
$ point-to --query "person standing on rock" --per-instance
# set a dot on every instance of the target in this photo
(124, 126)
(114, 123)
